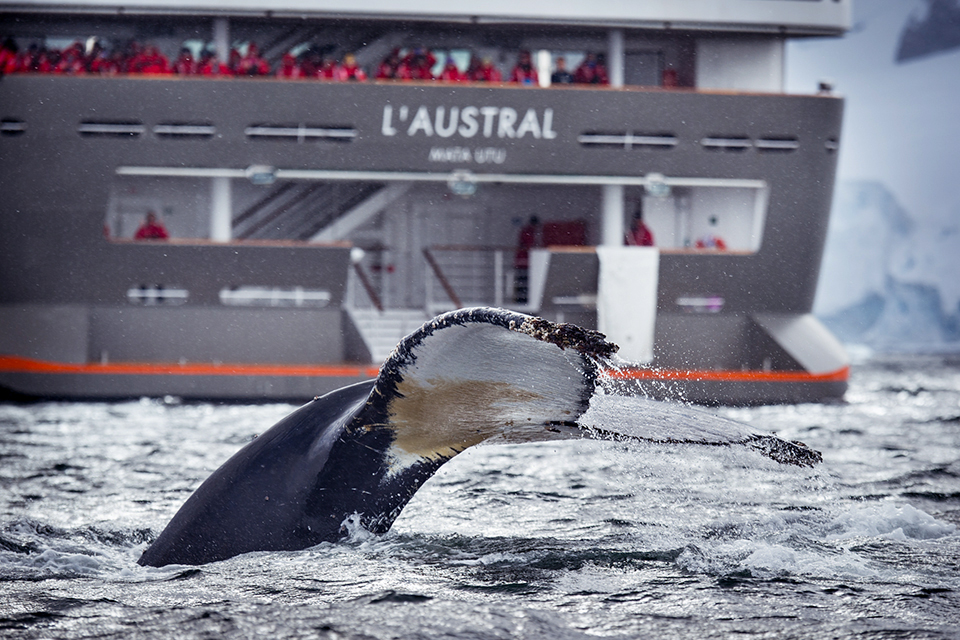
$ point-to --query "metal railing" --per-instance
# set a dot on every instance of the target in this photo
(468, 275)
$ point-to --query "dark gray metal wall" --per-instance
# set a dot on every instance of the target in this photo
(55, 181)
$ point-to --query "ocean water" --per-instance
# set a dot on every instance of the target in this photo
(571, 539)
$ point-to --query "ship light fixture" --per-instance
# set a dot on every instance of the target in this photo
(462, 183)
(261, 174)
(656, 185)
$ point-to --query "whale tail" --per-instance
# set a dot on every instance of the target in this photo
(361, 452)
(462, 378)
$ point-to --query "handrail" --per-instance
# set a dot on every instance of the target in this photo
(367, 286)
(454, 298)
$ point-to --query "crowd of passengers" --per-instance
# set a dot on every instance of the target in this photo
(414, 64)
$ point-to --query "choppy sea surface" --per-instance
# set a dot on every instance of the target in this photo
(575, 539)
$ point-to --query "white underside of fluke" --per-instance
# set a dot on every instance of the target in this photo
(480, 381)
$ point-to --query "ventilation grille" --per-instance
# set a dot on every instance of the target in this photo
(628, 140)
(251, 296)
(157, 294)
(102, 129)
(9, 127)
(726, 143)
(184, 130)
(783, 144)
(299, 133)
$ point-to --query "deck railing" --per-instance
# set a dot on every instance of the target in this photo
(468, 275)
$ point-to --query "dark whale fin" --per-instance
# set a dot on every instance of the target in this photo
(361, 452)
(464, 377)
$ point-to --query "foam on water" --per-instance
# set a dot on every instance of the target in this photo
(570, 539)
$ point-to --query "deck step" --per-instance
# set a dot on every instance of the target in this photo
(381, 331)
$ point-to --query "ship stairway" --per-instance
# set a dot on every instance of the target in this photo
(382, 330)
(319, 39)
(296, 211)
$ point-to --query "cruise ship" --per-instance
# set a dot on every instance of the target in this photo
(310, 222)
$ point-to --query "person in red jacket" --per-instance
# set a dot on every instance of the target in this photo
(151, 229)
(417, 65)
(72, 61)
(151, 61)
(639, 234)
(591, 71)
(451, 72)
(8, 56)
(531, 237)
(524, 73)
(252, 64)
(329, 69)
(486, 72)
(210, 65)
(350, 70)
(289, 68)
(711, 240)
(185, 65)
(388, 68)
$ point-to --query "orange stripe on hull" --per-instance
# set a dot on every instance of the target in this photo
(18, 364)
(28, 365)
(840, 375)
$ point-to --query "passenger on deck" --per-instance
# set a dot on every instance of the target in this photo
(591, 71)
(310, 63)
(185, 65)
(107, 63)
(8, 56)
(486, 72)
(388, 67)
(329, 69)
(561, 75)
(711, 240)
(151, 61)
(350, 71)
(252, 64)
(210, 65)
(531, 237)
(72, 61)
(671, 80)
(523, 72)
(639, 234)
(451, 72)
(289, 68)
(151, 229)
(417, 65)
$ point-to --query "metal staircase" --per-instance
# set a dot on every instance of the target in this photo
(381, 331)
(293, 211)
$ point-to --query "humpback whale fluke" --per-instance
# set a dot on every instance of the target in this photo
(362, 451)
(462, 378)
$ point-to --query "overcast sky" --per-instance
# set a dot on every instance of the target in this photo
(902, 121)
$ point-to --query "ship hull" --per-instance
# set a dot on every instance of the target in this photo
(91, 314)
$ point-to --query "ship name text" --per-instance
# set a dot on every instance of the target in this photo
(468, 122)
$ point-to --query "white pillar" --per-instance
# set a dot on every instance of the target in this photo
(221, 38)
(221, 210)
(543, 67)
(615, 57)
(612, 222)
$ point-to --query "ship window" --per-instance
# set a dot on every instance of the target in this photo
(725, 217)
(701, 304)
(156, 294)
(251, 296)
(628, 140)
(784, 144)
(726, 143)
(184, 130)
(9, 127)
(111, 129)
(300, 132)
